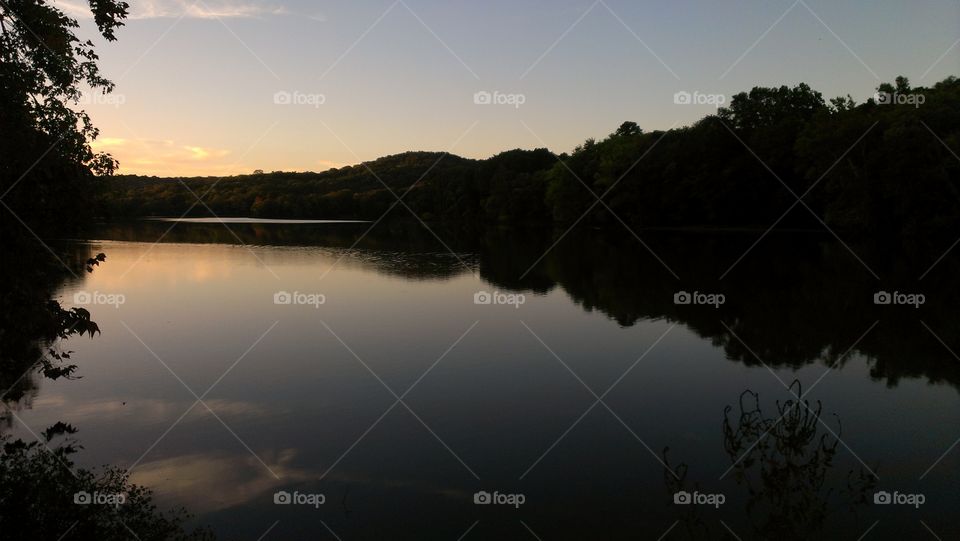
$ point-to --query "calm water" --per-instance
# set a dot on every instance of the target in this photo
(503, 397)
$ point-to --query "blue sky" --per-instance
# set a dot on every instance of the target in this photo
(197, 82)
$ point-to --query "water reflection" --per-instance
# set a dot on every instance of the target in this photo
(302, 407)
(31, 324)
(785, 462)
(395, 249)
(43, 495)
(809, 299)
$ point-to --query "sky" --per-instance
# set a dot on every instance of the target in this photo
(218, 87)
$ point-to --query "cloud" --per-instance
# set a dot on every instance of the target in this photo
(329, 164)
(156, 9)
(153, 9)
(166, 157)
(74, 8)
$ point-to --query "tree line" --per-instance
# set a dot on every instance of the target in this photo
(888, 165)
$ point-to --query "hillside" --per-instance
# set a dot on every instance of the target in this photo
(775, 156)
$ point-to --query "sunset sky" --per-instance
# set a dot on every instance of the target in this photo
(197, 82)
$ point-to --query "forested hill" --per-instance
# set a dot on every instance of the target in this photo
(889, 165)
(348, 192)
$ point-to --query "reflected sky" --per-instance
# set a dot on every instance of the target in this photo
(304, 397)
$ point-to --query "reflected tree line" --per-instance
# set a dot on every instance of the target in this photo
(791, 301)
(794, 299)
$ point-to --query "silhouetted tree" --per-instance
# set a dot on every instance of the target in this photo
(47, 164)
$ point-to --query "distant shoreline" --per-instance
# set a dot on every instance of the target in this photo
(244, 220)
(543, 225)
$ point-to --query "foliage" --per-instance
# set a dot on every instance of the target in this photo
(868, 168)
(48, 166)
(41, 490)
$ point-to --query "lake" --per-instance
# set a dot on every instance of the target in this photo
(333, 381)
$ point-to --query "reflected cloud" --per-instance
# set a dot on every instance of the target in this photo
(211, 482)
(147, 410)
(153, 279)
(217, 481)
(233, 487)
(204, 271)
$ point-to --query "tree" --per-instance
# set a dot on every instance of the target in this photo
(48, 165)
(628, 128)
(762, 107)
